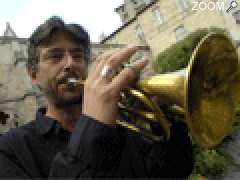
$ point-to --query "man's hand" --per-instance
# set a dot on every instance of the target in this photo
(102, 91)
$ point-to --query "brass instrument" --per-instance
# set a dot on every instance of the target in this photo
(206, 93)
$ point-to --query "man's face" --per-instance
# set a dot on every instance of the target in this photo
(59, 60)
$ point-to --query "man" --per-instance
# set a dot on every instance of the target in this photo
(76, 135)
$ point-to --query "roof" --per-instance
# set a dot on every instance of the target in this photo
(119, 7)
(7, 40)
(128, 22)
(9, 32)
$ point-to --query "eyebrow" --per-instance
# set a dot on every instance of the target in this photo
(76, 50)
(63, 49)
(55, 50)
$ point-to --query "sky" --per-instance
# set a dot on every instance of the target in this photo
(97, 16)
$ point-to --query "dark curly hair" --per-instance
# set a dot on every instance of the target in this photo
(45, 30)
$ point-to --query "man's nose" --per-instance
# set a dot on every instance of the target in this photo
(68, 61)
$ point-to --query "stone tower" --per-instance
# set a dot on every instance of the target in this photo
(130, 8)
(9, 32)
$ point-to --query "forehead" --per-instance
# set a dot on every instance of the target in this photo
(60, 40)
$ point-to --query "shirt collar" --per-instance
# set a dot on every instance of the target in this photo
(44, 124)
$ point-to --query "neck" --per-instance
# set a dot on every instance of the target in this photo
(66, 116)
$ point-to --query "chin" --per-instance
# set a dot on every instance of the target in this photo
(67, 92)
(68, 101)
(64, 96)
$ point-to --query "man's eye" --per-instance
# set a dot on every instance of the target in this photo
(55, 57)
(77, 57)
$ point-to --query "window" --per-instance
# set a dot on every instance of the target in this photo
(236, 16)
(238, 45)
(125, 16)
(123, 8)
(184, 4)
(180, 33)
(138, 5)
(134, 2)
(3, 118)
(158, 16)
(140, 33)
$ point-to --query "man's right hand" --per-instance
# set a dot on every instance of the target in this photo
(102, 93)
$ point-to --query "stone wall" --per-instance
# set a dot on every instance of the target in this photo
(159, 36)
(17, 99)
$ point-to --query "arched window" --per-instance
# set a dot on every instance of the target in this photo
(180, 32)
(140, 33)
(184, 4)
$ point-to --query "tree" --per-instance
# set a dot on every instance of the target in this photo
(178, 55)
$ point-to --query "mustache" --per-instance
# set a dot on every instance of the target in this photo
(64, 78)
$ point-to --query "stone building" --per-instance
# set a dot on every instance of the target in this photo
(17, 98)
(161, 23)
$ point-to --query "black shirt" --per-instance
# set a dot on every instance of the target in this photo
(43, 149)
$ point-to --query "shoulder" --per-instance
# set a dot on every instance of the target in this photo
(17, 136)
(137, 142)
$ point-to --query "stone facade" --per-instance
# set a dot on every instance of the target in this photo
(17, 98)
(164, 22)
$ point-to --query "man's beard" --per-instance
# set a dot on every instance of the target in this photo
(62, 102)
(59, 99)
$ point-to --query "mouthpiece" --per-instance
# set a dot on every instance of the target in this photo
(73, 82)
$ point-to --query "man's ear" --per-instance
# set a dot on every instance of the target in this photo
(32, 72)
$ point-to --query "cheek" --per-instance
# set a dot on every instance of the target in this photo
(82, 69)
(46, 76)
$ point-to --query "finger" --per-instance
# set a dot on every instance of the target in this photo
(107, 54)
(122, 56)
(115, 60)
(128, 75)
(101, 59)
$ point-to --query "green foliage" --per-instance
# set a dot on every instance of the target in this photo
(178, 55)
(210, 161)
(236, 125)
